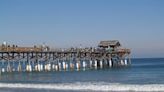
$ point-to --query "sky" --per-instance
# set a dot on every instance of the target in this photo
(137, 24)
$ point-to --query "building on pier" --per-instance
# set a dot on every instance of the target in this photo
(109, 45)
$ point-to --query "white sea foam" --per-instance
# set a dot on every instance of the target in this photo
(89, 86)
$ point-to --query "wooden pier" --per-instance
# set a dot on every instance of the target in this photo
(108, 54)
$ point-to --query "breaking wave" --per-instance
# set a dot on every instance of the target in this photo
(92, 86)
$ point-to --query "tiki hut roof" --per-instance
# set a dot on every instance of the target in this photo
(109, 43)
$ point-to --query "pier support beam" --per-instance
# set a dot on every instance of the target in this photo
(101, 64)
(110, 62)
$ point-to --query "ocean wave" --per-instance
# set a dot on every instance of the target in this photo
(92, 86)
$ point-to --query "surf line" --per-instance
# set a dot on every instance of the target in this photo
(90, 86)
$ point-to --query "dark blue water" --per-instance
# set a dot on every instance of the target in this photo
(141, 72)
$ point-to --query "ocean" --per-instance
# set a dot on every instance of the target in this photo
(143, 75)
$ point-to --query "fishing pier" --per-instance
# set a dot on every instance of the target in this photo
(107, 54)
